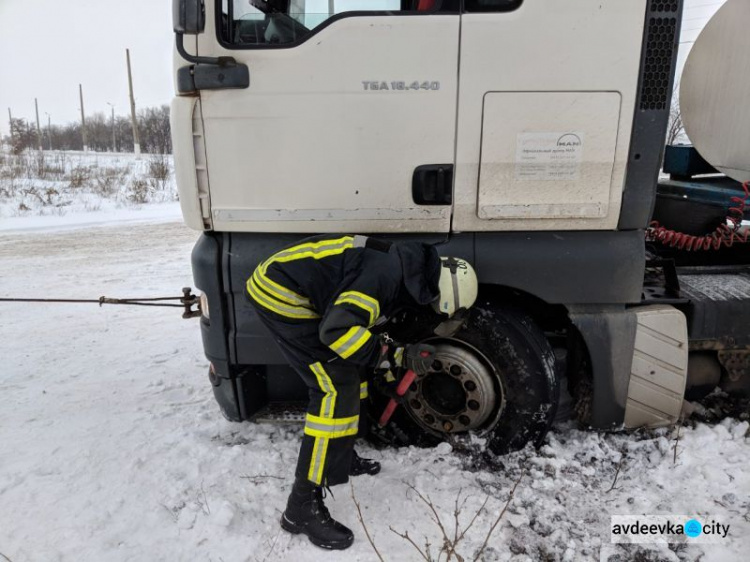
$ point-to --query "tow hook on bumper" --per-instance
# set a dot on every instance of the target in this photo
(189, 300)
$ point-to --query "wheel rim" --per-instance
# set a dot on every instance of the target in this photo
(459, 393)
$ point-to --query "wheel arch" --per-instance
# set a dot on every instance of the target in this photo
(547, 315)
(598, 341)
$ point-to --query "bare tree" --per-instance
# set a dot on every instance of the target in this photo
(23, 135)
(153, 126)
(675, 128)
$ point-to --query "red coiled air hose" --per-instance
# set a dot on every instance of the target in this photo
(726, 234)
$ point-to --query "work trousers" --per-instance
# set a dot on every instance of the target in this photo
(336, 388)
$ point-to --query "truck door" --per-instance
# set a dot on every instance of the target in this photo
(547, 97)
(348, 123)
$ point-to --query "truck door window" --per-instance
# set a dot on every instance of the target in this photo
(269, 23)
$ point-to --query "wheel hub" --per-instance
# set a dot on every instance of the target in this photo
(458, 393)
(444, 393)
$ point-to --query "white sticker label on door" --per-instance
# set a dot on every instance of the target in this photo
(548, 156)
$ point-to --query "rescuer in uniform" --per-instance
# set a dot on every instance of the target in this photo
(319, 298)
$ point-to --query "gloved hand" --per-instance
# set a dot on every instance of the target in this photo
(419, 357)
(389, 360)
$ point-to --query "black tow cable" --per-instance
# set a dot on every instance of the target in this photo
(186, 302)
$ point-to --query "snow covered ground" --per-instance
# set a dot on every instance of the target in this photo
(112, 447)
(60, 188)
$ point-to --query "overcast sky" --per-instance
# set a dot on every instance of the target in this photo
(48, 47)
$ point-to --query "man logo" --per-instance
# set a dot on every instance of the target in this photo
(569, 139)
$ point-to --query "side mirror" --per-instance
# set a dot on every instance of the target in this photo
(188, 16)
(206, 73)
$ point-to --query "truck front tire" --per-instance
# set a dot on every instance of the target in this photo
(496, 377)
(525, 364)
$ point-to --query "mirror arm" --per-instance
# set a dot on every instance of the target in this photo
(221, 61)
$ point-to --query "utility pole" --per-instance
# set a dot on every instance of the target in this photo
(49, 129)
(38, 128)
(114, 142)
(10, 124)
(136, 140)
(83, 120)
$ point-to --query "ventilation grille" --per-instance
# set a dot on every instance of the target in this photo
(659, 51)
(664, 6)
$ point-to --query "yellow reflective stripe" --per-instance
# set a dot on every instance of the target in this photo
(322, 463)
(328, 403)
(331, 428)
(275, 306)
(315, 250)
(320, 245)
(351, 342)
(281, 300)
(331, 434)
(327, 406)
(277, 291)
(363, 393)
(332, 423)
(317, 460)
(398, 355)
(363, 301)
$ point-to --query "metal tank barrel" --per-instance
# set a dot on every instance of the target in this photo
(715, 91)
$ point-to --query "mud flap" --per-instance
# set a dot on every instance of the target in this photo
(659, 369)
(609, 334)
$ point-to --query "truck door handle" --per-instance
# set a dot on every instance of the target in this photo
(432, 184)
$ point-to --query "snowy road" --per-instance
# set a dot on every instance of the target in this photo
(112, 448)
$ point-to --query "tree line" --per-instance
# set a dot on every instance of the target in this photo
(153, 130)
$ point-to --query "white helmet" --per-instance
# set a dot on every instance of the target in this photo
(458, 286)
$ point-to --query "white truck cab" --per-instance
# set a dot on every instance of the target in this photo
(386, 116)
(524, 135)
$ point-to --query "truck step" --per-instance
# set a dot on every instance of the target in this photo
(281, 412)
(720, 302)
(730, 284)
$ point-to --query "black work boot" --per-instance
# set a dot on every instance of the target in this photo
(363, 466)
(305, 513)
